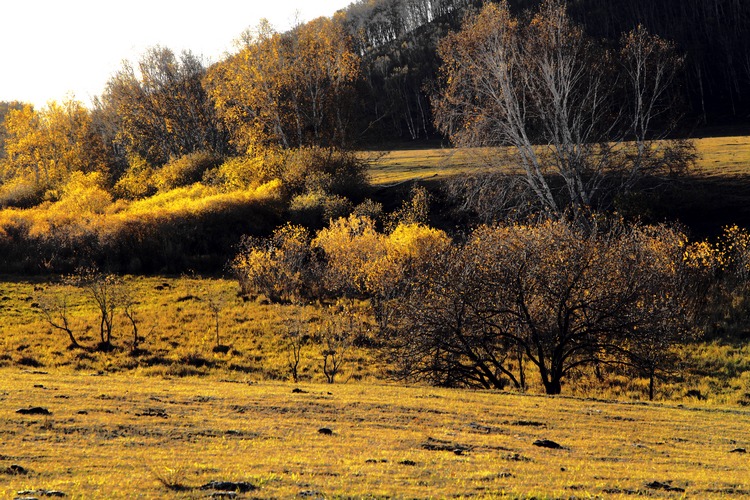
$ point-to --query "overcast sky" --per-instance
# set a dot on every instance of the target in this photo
(52, 48)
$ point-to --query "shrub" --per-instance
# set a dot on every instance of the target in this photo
(328, 170)
(21, 193)
(249, 171)
(138, 180)
(280, 267)
(185, 170)
(313, 209)
(84, 194)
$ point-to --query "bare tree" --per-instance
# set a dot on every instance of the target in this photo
(296, 338)
(130, 311)
(55, 307)
(216, 304)
(106, 292)
(551, 100)
(337, 334)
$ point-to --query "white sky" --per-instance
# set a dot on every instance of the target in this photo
(53, 48)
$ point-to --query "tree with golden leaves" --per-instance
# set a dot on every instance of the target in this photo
(289, 89)
(158, 108)
(551, 295)
(45, 147)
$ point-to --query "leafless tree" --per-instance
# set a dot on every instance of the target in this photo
(130, 311)
(296, 338)
(551, 101)
(216, 303)
(55, 307)
(337, 330)
(105, 290)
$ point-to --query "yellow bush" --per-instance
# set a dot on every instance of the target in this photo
(277, 268)
(417, 241)
(84, 194)
(186, 170)
(138, 180)
(19, 192)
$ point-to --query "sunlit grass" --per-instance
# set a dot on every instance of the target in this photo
(718, 156)
(177, 337)
(196, 198)
(107, 434)
(177, 329)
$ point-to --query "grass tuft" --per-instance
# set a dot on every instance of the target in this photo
(172, 478)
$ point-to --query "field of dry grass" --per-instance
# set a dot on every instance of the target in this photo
(178, 413)
(718, 156)
(177, 331)
(128, 436)
(177, 338)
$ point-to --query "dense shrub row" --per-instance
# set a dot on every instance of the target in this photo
(186, 215)
(555, 295)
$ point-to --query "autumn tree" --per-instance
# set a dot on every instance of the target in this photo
(5, 108)
(45, 147)
(289, 89)
(339, 327)
(550, 294)
(158, 109)
(360, 262)
(553, 99)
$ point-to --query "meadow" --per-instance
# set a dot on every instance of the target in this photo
(131, 436)
(718, 157)
(177, 338)
(207, 396)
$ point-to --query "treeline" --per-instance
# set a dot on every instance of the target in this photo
(270, 122)
(398, 41)
(177, 160)
(367, 75)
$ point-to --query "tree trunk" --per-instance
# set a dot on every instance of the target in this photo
(651, 377)
(553, 386)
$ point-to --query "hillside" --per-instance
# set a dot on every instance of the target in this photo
(716, 193)
(269, 277)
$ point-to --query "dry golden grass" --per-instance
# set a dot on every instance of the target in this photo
(724, 156)
(177, 338)
(718, 156)
(127, 436)
(405, 165)
(177, 326)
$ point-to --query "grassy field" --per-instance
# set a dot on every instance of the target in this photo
(179, 413)
(718, 156)
(128, 436)
(177, 332)
(177, 338)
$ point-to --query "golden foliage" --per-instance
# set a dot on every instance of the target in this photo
(286, 89)
(45, 147)
(277, 267)
(84, 194)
